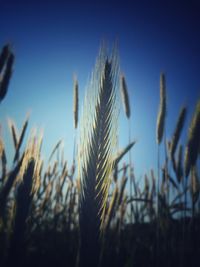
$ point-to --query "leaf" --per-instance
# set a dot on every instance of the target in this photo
(123, 152)
(137, 199)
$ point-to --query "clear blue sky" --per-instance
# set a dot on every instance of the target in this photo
(53, 40)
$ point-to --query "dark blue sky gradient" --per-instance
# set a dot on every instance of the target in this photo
(53, 40)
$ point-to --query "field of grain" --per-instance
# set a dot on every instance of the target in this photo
(95, 213)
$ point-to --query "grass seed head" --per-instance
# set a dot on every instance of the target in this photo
(177, 131)
(75, 103)
(192, 148)
(125, 97)
(162, 109)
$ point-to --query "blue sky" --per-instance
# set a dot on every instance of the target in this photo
(52, 40)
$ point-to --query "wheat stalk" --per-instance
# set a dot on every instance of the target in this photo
(191, 152)
(112, 208)
(5, 190)
(75, 103)
(125, 97)
(54, 149)
(3, 160)
(25, 125)
(24, 196)
(160, 132)
(5, 52)
(162, 109)
(5, 79)
(179, 165)
(177, 131)
(14, 132)
(121, 153)
(96, 163)
(194, 185)
(122, 189)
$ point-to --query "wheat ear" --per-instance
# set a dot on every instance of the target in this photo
(125, 97)
(162, 109)
(193, 143)
(75, 103)
(96, 162)
(177, 131)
